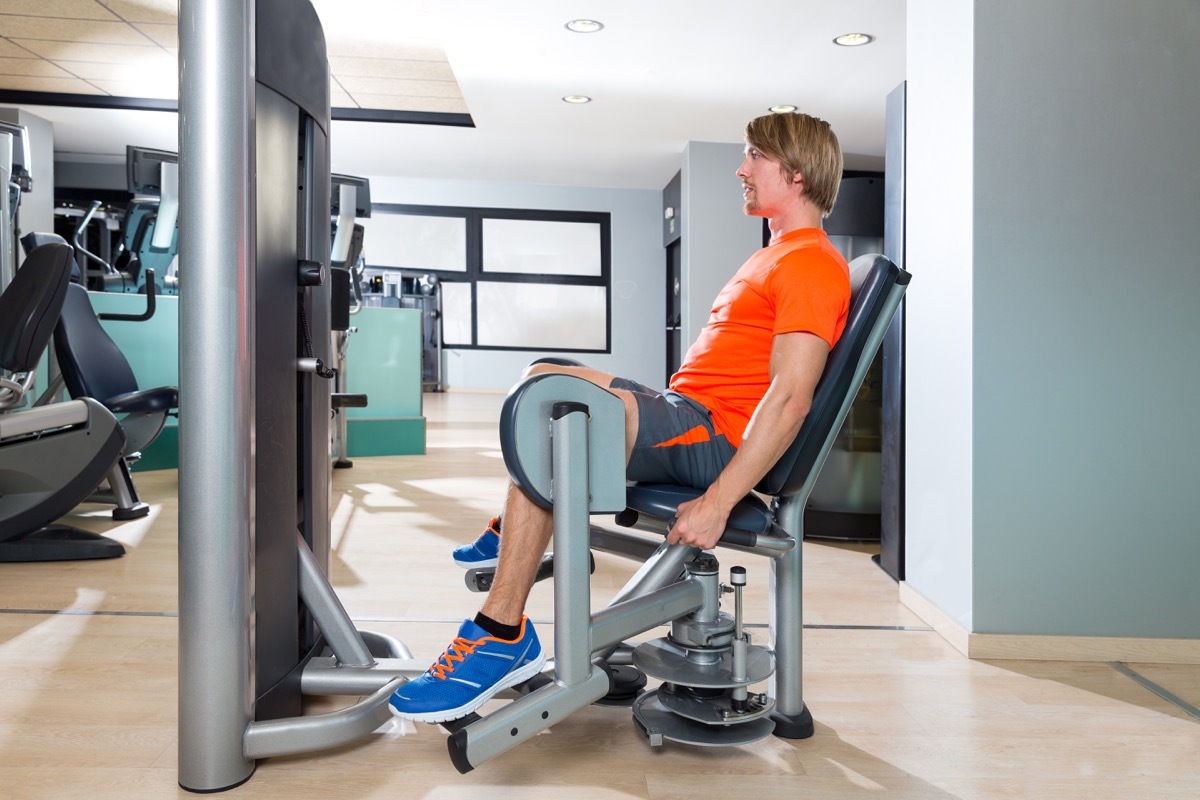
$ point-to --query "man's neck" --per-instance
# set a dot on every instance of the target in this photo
(806, 216)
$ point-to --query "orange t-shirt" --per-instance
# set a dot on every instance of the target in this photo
(798, 283)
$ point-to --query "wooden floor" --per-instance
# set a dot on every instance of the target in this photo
(88, 669)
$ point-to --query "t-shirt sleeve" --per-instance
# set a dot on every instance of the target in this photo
(811, 292)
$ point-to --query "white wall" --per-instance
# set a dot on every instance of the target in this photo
(638, 348)
(716, 236)
(939, 253)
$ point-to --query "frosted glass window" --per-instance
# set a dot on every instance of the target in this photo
(541, 247)
(456, 313)
(415, 242)
(542, 315)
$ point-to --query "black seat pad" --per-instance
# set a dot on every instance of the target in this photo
(662, 499)
(163, 398)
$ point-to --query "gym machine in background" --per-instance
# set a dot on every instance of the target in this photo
(51, 456)
(387, 287)
(259, 623)
(122, 243)
(15, 178)
(150, 234)
(350, 199)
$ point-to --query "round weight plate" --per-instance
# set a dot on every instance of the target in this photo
(658, 723)
(661, 659)
(711, 711)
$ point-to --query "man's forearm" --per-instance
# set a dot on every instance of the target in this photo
(770, 432)
(797, 360)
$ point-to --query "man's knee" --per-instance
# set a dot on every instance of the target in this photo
(551, 364)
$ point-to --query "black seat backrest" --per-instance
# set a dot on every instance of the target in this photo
(32, 241)
(91, 363)
(874, 281)
(31, 304)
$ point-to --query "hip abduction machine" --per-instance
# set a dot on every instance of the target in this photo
(563, 443)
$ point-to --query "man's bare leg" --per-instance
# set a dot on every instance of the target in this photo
(527, 531)
(528, 527)
(462, 678)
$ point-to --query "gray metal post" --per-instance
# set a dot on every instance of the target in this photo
(216, 359)
(787, 613)
(572, 590)
(7, 263)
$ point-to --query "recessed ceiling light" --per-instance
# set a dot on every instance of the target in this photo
(584, 25)
(786, 108)
(854, 39)
(577, 98)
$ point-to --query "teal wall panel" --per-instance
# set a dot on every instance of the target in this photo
(383, 358)
(385, 437)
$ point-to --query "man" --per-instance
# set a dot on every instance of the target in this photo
(731, 411)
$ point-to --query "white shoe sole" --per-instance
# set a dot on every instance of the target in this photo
(512, 679)
(487, 562)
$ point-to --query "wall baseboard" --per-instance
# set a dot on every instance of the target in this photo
(1025, 647)
(948, 628)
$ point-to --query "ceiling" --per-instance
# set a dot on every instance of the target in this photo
(661, 73)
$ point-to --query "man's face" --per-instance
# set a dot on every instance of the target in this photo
(766, 188)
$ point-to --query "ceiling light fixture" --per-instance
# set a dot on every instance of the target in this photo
(853, 39)
(577, 99)
(584, 26)
(785, 108)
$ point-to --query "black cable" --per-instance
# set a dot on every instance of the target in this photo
(321, 370)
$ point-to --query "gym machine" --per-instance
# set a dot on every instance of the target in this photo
(15, 178)
(350, 200)
(259, 624)
(51, 456)
(563, 444)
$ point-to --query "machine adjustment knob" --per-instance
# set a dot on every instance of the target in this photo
(310, 273)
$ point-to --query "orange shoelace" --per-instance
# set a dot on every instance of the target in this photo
(458, 650)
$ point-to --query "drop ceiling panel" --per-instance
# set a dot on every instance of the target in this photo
(408, 69)
(107, 71)
(162, 34)
(128, 48)
(10, 50)
(67, 9)
(102, 53)
(393, 102)
(355, 46)
(20, 83)
(161, 90)
(32, 67)
(69, 30)
(163, 11)
(357, 85)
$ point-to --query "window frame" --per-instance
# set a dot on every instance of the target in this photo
(474, 259)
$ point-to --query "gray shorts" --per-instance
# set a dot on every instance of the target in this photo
(676, 441)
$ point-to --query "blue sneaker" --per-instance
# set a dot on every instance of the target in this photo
(474, 667)
(484, 551)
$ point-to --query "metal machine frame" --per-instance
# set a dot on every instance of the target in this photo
(257, 615)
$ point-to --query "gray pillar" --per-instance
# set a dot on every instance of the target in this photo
(216, 359)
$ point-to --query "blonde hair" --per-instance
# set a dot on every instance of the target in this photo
(804, 144)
